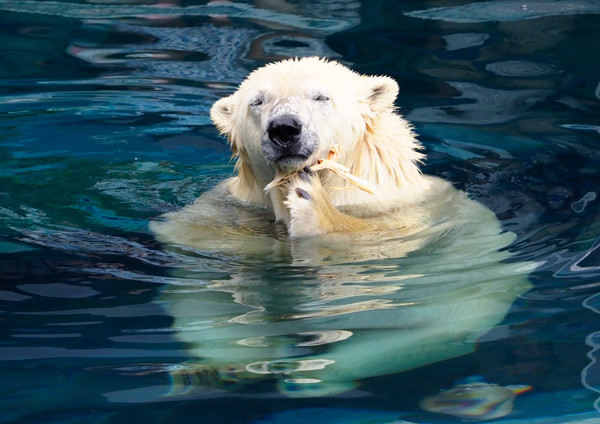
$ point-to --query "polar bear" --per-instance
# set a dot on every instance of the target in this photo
(287, 115)
(327, 284)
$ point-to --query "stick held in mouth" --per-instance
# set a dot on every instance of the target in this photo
(331, 165)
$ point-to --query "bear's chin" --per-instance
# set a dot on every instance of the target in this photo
(291, 162)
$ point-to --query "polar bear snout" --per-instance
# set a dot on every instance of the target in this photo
(288, 141)
(284, 131)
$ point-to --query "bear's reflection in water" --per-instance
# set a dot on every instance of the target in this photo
(320, 314)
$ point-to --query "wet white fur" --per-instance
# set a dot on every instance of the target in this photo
(377, 143)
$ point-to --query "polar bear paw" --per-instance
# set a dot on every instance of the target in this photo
(307, 205)
(305, 183)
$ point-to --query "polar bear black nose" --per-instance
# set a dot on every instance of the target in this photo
(284, 130)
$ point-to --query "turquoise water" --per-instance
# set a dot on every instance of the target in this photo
(104, 127)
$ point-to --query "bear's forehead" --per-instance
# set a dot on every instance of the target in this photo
(285, 87)
(300, 76)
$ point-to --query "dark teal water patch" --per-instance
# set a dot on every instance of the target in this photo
(104, 126)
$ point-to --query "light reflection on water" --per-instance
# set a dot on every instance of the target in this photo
(104, 127)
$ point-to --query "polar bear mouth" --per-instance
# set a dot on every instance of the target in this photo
(291, 159)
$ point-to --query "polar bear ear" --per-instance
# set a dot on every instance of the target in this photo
(382, 92)
(221, 114)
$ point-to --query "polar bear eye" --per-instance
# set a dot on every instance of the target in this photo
(257, 101)
(320, 98)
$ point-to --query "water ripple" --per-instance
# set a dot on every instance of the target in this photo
(232, 10)
(507, 11)
(479, 105)
(522, 69)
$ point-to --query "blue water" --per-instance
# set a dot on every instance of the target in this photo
(104, 126)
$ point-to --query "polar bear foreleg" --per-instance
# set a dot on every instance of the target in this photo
(312, 213)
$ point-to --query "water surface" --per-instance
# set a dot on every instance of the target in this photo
(104, 127)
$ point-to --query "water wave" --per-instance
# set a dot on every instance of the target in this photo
(223, 9)
(478, 105)
(522, 69)
(507, 11)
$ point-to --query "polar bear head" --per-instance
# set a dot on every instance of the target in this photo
(288, 114)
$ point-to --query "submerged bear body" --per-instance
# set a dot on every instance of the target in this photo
(366, 283)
